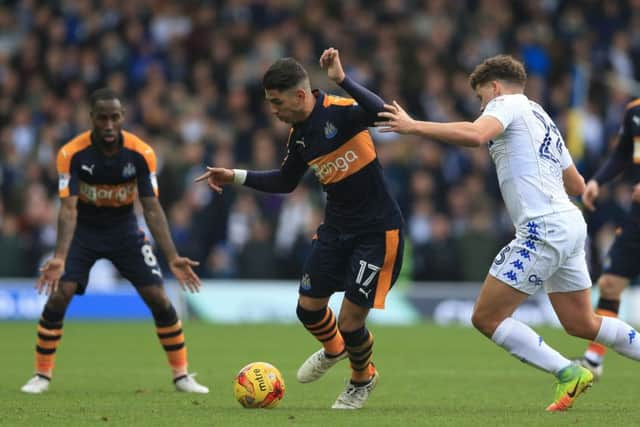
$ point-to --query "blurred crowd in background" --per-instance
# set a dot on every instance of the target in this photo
(189, 73)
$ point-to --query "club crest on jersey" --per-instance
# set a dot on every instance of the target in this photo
(330, 130)
(129, 170)
(305, 282)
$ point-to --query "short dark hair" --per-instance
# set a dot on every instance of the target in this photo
(284, 74)
(102, 94)
(499, 67)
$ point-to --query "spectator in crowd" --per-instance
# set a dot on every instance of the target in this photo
(191, 72)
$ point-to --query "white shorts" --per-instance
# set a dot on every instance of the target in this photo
(547, 252)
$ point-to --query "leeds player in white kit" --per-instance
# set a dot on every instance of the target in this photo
(536, 176)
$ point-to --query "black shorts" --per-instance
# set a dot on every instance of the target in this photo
(622, 258)
(125, 246)
(364, 265)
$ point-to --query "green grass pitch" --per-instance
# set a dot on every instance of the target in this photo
(115, 374)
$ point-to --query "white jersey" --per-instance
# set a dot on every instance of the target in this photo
(530, 156)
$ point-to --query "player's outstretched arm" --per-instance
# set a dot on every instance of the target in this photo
(369, 101)
(573, 181)
(330, 59)
(217, 177)
(52, 270)
(468, 134)
(282, 180)
(181, 267)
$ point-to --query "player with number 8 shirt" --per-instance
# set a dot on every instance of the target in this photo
(101, 172)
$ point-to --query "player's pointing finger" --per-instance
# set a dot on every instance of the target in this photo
(202, 177)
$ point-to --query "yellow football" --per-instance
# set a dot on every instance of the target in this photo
(258, 385)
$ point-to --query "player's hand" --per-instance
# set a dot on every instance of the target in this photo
(184, 274)
(590, 194)
(50, 274)
(330, 59)
(216, 177)
(397, 120)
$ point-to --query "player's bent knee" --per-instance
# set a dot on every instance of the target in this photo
(60, 300)
(485, 324)
(57, 302)
(307, 316)
(611, 287)
(154, 297)
(312, 304)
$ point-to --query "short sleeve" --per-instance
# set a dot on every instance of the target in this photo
(502, 108)
(147, 179)
(565, 156)
(67, 181)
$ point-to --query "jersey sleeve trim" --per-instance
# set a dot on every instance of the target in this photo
(337, 100)
(634, 103)
(63, 161)
(66, 153)
(134, 143)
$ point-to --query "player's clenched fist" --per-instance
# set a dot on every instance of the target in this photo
(330, 59)
(216, 177)
(590, 194)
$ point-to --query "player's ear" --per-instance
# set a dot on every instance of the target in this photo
(497, 87)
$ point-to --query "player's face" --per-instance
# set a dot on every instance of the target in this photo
(107, 117)
(287, 105)
(486, 92)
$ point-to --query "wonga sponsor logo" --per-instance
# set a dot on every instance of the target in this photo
(108, 195)
(345, 160)
(325, 170)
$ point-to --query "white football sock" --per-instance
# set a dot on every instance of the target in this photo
(619, 336)
(522, 342)
(593, 357)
